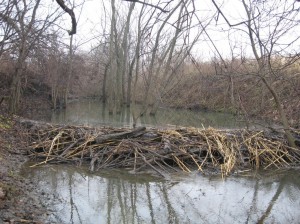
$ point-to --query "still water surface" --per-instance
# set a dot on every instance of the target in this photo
(91, 112)
(114, 196)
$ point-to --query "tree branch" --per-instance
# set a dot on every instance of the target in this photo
(72, 15)
(145, 3)
(224, 17)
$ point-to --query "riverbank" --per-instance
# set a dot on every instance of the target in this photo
(20, 200)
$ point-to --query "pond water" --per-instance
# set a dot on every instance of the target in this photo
(115, 196)
(95, 113)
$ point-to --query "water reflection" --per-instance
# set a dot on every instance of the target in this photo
(117, 197)
(90, 112)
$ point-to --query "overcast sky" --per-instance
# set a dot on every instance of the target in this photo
(92, 11)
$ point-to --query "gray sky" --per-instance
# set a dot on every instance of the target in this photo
(89, 26)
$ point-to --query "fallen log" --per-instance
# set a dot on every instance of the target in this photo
(127, 134)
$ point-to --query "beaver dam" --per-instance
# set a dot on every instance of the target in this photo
(161, 150)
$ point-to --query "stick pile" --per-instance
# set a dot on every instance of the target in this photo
(164, 151)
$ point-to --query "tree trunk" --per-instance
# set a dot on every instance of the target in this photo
(285, 123)
(124, 55)
(104, 96)
(15, 91)
(151, 73)
(265, 69)
(16, 85)
(111, 77)
(70, 70)
(232, 100)
(54, 95)
(116, 68)
(130, 73)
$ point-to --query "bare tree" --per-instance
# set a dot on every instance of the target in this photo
(265, 49)
(125, 52)
(27, 29)
(52, 64)
(269, 26)
(173, 43)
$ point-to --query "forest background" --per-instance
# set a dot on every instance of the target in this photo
(234, 56)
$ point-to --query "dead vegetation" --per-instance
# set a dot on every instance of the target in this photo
(164, 151)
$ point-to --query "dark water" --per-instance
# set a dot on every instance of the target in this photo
(91, 112)
(117, 197)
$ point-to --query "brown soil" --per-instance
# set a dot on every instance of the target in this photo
(20, 199)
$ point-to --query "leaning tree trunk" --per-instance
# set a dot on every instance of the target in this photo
(155, 49)
(264, 70)
(282, 114)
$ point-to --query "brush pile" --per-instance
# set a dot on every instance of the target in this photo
(164, 151)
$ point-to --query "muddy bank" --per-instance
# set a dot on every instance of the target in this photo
(20, 200)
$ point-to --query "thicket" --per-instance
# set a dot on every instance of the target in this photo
(203, 85)
(207, 86)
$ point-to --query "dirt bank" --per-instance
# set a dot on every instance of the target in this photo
(20, 200)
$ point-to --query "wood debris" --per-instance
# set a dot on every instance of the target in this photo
(164, 151)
